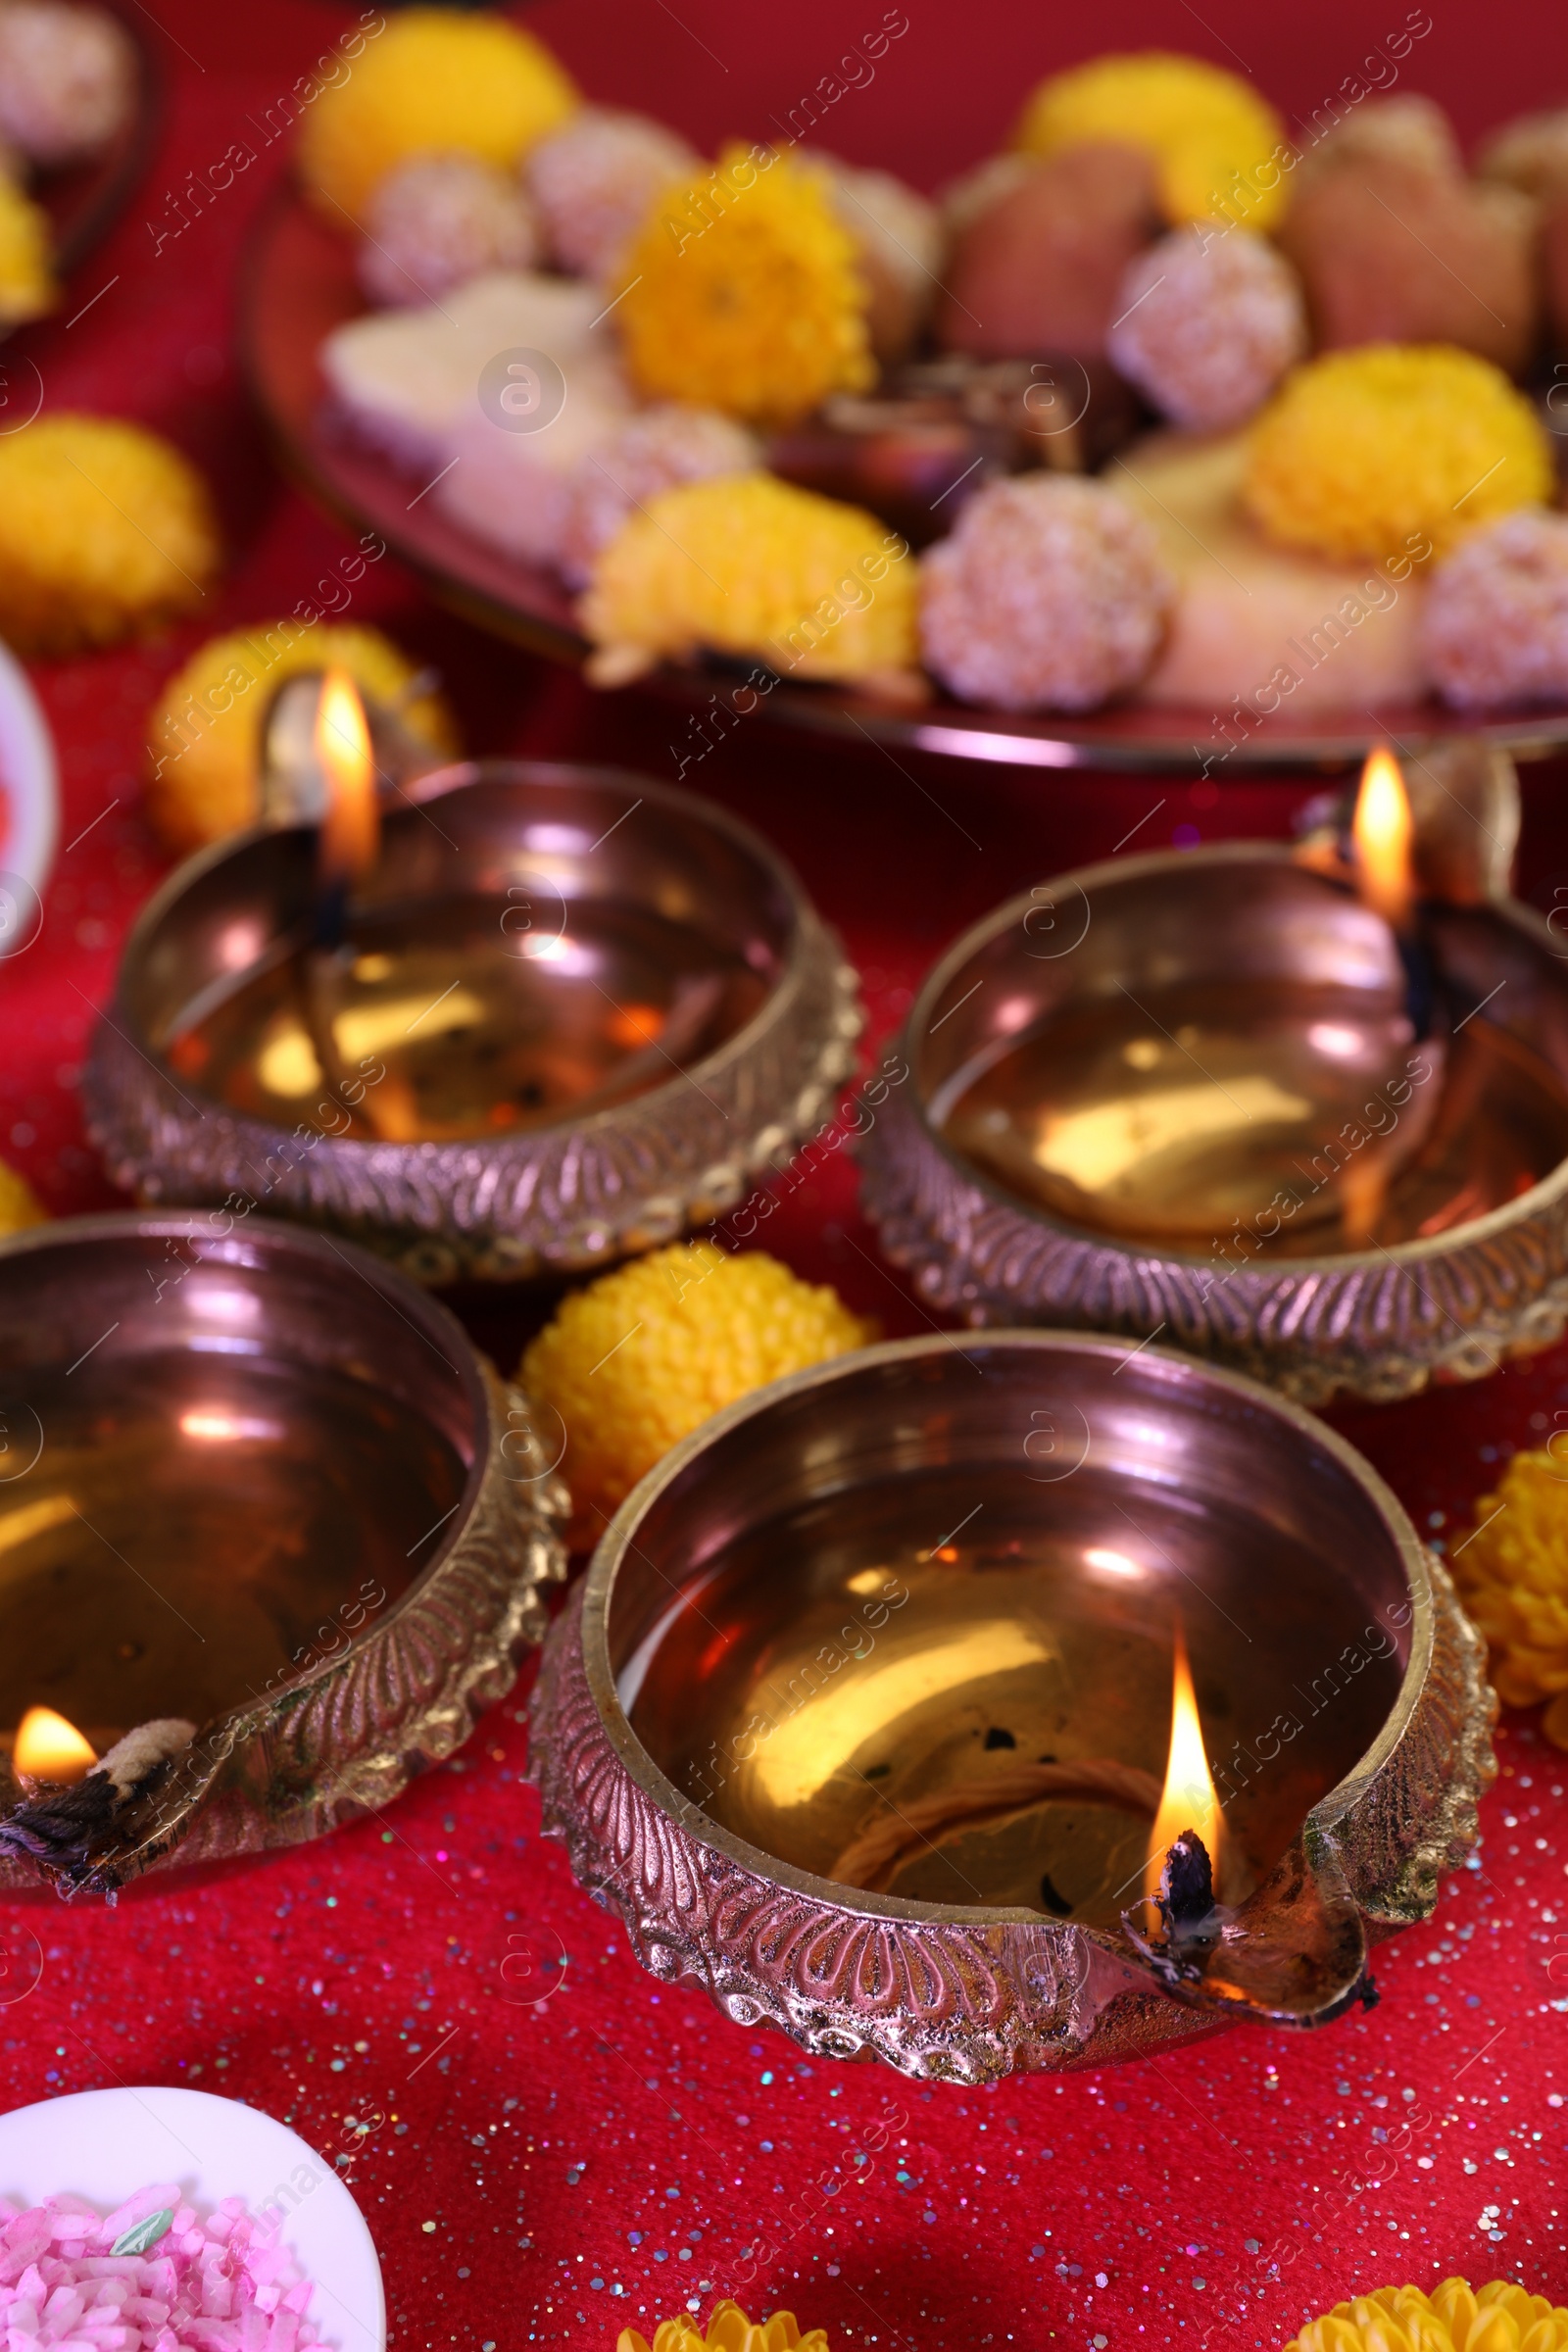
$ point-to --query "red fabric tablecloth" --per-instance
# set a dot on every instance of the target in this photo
(547, 2171)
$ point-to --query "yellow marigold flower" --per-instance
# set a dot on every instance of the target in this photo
(204, 732)
(104, 529)
(20, 1205)
(1454, 2318)
(1512, 1576)
(748, 564)
(431, 81)
(27, 280)
(744, 293)
(1393, 449)
(637, 1360)
(728, 2330)
(1210, 135)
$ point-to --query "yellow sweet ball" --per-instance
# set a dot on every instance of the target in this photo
(1455, 2317)
(1393, 449)
(27, 276)
(1212, 138)
(431, 81)
(1512, 1576)
(105, 530)
(750, 565)
(637, 1360)
(204, 732)
(20, 1205)
(744, 293)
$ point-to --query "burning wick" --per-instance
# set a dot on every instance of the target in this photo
(49, 1749)
(345, 852)
(1383, 835)
(1190, 1804)
(1383, 831)
(349, 834)
(84, 1817)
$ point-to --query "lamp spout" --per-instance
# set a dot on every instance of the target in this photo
(1295, 1953)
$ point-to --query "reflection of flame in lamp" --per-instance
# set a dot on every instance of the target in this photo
(49, 1749)
(350, 828)
(1189, 1801)
(1381, 831)
(346, 849)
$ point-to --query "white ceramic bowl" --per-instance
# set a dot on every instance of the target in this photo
(29, 806)
(105, 2144)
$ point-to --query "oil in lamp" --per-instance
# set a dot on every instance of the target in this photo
(513, 1017)
(279, 1540)
(450, 1023)
(1305, 1110)
(1173, 1723)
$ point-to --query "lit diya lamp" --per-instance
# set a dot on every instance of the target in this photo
(1305, 1110)
(1015, 1705)
(272, 1534)
(517, 1017)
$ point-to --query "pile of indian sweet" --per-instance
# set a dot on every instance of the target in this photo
(155, 2275)
(67, 86)
(1179, 405)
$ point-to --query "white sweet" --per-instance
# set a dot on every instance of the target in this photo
(410, 380)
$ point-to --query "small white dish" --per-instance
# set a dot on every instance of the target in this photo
(106, 2144)
(29, 806)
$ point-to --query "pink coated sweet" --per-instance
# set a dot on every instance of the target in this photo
(219, 2282)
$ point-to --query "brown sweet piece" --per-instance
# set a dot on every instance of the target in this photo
(962, 201)
(1390, 252)
(1407, 130)
(1555, 275)
(917, 450)
(1040, 267)
(916, 461)
(1529, 153)
(899, 248)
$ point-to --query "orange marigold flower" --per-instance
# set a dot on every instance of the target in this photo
(1367, 452)
(728, 2330)
(640, 1357)
(743, 293)
(1455, 2317)
(1512, 1575)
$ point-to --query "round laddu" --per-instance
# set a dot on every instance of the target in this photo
(438, 221)
(1049, 594)
(67, 80)
(1211, 321)
(1497, 620)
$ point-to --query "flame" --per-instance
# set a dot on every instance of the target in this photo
(1189, 1801)
(1381, 831)
(49, 1749)
(351, 827)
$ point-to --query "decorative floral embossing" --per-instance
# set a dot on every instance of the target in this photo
(1418, 1817)
(351, 1732)
(500, 1209)
(940, 1999)
(1374, 1328)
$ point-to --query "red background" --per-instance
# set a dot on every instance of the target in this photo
(536, 2158)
